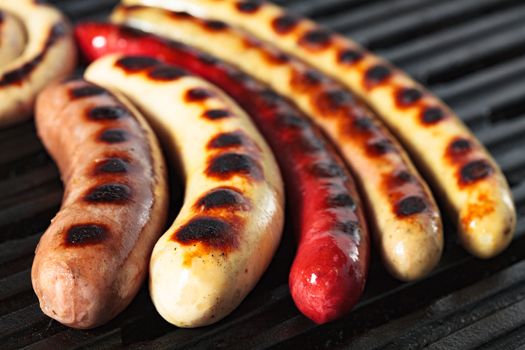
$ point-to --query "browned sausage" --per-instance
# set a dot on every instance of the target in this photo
(94, 256)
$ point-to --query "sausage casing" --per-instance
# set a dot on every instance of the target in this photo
(92, 259)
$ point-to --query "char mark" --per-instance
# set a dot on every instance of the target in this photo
(475, 170)
(209, 231)
(214, 114)
(107, 113)
(226, 140)
(111, 166)
(459, 146)
(222, 197)
(86, 91)
(410, 205)
(132, 64)
(229, 164)
(341, 200)
(113, 136)
(349, 56)
(432, 115)
(248, 6)
(377, 74)
(379, 148)
(317, 38)
(109, 193)
(284, 24)
(166, 73)
(215, 25)
(351, 228)
(198, 94)
(408, 96)
(84, 234)
(326, 170)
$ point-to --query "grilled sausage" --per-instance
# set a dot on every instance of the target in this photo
(232, 217)
(326, 211)
(462, 172)
(93, 258)
(12, 37)
(403, 214)
(49, 54)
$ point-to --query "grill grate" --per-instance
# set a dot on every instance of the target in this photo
(472, 54)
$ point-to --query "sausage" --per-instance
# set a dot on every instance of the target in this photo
(462, 172)
(49, 54)
(12, 38)
(91, 261)
(327, 213)
(402, 212)
(232, 217)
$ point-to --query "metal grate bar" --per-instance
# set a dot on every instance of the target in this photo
(453, 37)
(412, 24)
(486, 51)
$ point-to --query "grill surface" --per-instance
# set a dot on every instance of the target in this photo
(472, 54)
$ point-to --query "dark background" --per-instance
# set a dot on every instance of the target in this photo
(471, 53)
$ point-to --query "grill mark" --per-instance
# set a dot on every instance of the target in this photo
(349, 56)
(86, 91)
(85, 234)
(399, 179)
(109, 193)
(215, 25)
(133, 64)
(459, 147)
(376, 75)
(408, 96)
(166, 73)
(332, 100)
(326, 170)
(306, 80)
(209, 231)
(342, 200)
(379, 148)
(270, 97)
(198, 94)
(226, 140)
(222, 197)
(410, 206)
(350, 228)
(284, 24)
(17, 75)
(363, 124)
(207, 59)
(111, 165)
(316, 39)
(310, 144)
(227, 165)
(290, 120)
(474, 171)
(215, 114)
(277, 57)
(432, 115)
(248, 6)
(113, 136)
(106, 113)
